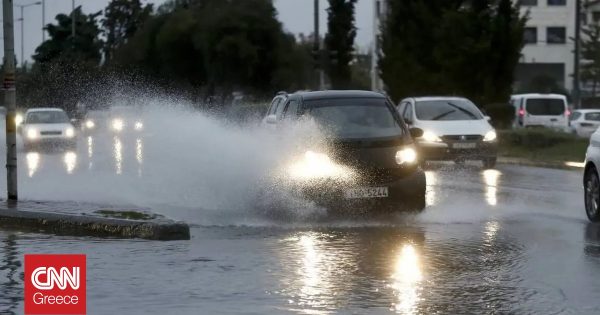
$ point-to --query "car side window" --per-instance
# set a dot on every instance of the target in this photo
(280, 108)
(291, 109)
(276, 102)
(575, 116)
(408, 114)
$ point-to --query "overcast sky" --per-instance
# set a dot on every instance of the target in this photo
(296, 16)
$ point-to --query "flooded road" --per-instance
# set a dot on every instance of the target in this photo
(511, 240)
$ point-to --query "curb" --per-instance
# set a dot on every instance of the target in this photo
(80, 225)
(524, 162)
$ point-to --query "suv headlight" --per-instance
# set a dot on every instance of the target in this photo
(490, 136)
(406, 155)
(70, 132)
(429, 136)
(32, 134)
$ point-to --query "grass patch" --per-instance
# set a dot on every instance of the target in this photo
(127, 214)
(541, 145)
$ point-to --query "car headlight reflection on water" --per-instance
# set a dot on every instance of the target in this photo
(139, 125)
(317, 165)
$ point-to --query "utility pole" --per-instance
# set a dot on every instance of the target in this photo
(43, 20)
(317, 49)
(73, 19)
(576, 88)
(10, 100)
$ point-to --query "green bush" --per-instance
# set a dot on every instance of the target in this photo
(535, 138)
(502, 114)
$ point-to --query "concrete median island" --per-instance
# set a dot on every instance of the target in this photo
(85, 219)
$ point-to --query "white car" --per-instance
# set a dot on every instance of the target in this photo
(540, 110)
(583, 122)
(453, 129)
(591, 180)
(41, 126)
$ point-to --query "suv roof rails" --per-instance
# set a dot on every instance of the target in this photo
(282, 93)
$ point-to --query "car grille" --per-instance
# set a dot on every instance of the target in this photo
(462, 138)
(51, 133)
(379, 176)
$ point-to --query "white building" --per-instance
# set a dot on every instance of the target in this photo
(548, 50)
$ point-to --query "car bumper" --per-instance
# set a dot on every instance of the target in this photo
(50, 141)
(450, 150)
(409, 189)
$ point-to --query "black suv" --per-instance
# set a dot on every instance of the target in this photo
(369, 157)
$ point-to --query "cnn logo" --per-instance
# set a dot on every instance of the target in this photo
(55, 284)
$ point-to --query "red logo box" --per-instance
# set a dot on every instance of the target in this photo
(55, 284)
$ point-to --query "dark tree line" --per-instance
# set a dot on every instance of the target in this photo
(208, 48)
(455, 47)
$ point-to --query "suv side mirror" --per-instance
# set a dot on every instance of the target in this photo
(488, 118)
(416, 132)
(271, 119)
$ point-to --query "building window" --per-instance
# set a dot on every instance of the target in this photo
(596, 16)
(530, 35)
(557, 2)
(556, 35)
(528, 3)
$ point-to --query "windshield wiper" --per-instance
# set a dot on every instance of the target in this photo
(463, 110)
(442, 115)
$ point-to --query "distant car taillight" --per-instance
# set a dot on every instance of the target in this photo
(521, 112)
(567, 113)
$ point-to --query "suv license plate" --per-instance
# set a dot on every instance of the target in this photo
(368, 192)
(464, 145)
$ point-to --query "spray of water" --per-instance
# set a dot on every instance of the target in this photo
(184, 160)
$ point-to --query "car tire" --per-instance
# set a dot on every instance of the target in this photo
(489, 162)
(591, 184)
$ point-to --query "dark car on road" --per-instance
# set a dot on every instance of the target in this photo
(369, 157)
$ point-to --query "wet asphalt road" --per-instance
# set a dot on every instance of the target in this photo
(513, 240)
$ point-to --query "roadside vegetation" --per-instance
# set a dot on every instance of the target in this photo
(541, 144)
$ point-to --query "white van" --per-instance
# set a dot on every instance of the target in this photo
(540, 110)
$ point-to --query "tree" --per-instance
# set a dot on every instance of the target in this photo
(590, 53)
(457, 47)
(218, 46)
(122, 18)
(85, 46)
(339, 41)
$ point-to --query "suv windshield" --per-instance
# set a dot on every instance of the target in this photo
(455, 109)
(47, 117)
(355, 118)
(546, 106)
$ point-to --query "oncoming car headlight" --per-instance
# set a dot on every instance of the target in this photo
(429, 136)
(32, 134)
(18, 119)
(89, 124)
(138, 125)
(315, 165)
(490, 136)
(407, 155)
(117, 124)
(70, 132)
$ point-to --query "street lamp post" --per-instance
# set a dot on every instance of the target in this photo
(8, 85)
(43, 20)
(22, 19)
